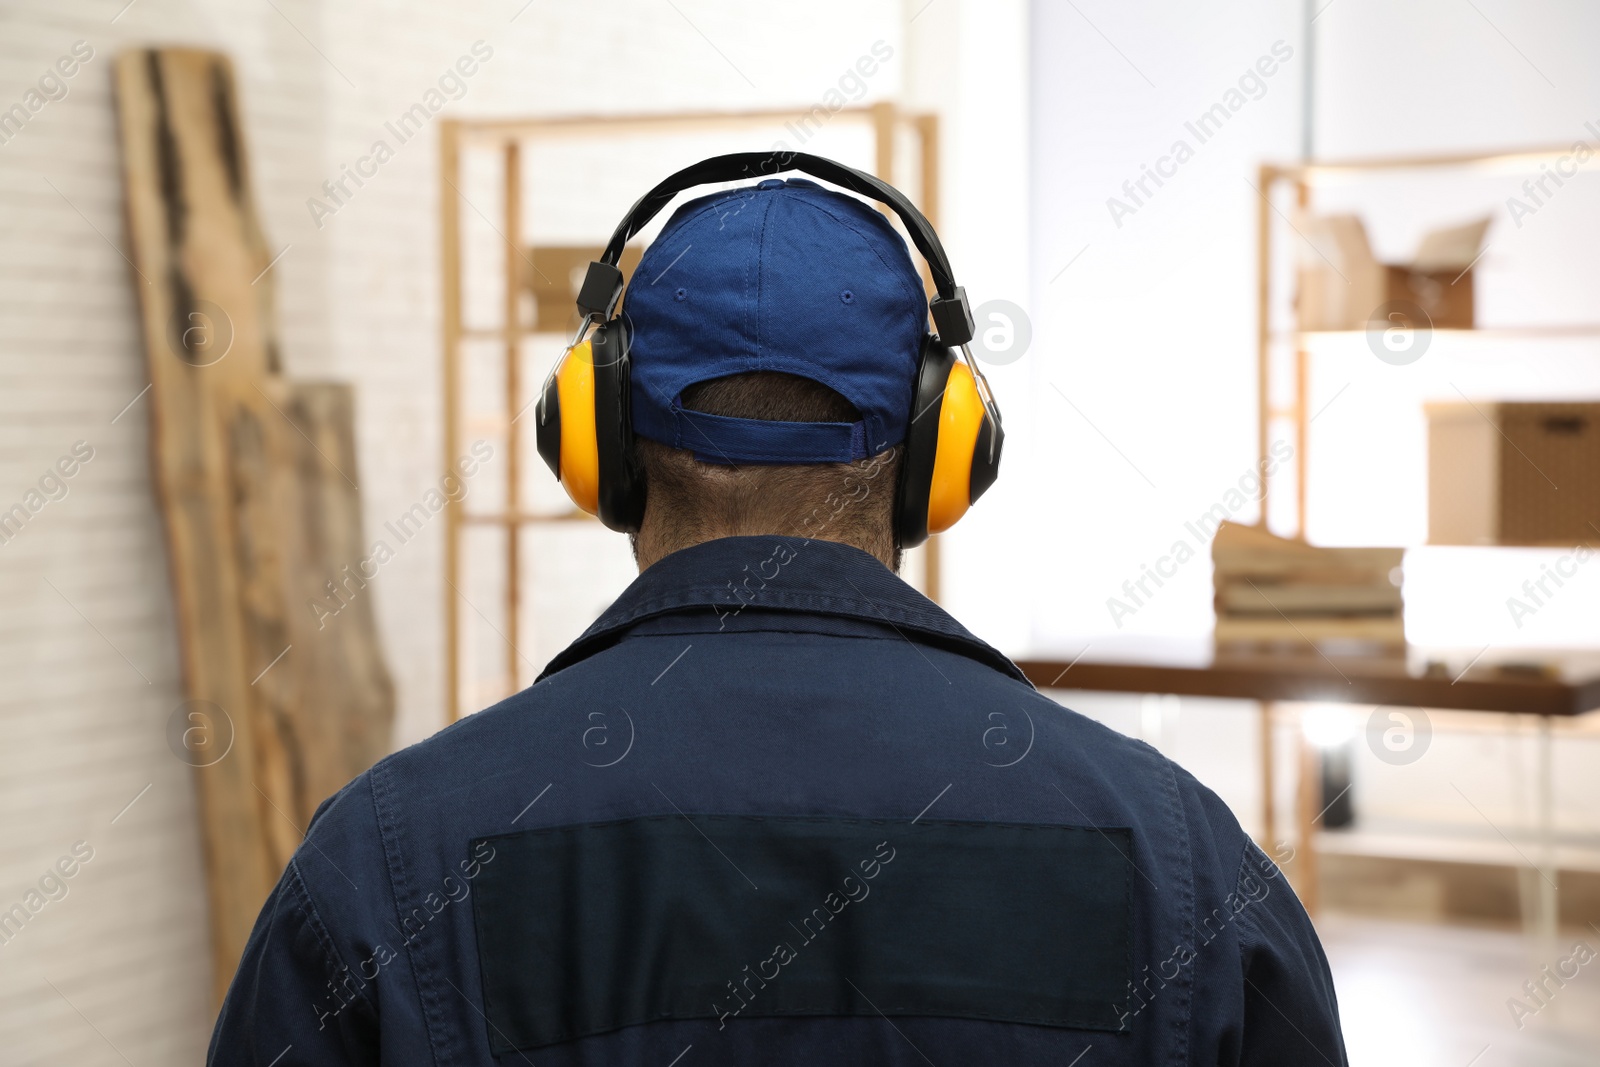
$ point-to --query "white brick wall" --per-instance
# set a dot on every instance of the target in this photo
(87, 695)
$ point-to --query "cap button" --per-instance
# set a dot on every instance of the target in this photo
(771, 183)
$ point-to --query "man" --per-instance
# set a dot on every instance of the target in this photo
(774, 806)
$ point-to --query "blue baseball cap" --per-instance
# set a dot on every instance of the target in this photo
(782, 276)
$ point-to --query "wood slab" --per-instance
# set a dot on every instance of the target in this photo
(249, 519)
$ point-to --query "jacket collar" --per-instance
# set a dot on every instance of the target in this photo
(731, 575)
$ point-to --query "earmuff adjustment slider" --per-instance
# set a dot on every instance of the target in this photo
(952, 319)
(602, 288)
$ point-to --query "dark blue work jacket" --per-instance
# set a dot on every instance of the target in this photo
(776, 807)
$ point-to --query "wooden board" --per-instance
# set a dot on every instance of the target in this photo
(247, 518)
(347, 700)
(1304, 630)
(1241, 549)
(189, 244)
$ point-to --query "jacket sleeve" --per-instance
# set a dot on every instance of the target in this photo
(1290, 1012)
(286, 1003)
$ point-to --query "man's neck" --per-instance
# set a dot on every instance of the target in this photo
(652, 543)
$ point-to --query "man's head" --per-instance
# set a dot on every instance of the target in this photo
(775, 333)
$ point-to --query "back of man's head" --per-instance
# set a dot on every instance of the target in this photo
(688, 501)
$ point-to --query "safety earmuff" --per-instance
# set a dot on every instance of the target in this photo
(585, 432)
(952, 450)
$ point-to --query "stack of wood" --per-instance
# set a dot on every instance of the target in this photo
(1274, 589)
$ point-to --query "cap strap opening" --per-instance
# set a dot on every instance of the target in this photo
(725, 439)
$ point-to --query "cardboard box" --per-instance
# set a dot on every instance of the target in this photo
(1514, 473)
(1342, 285)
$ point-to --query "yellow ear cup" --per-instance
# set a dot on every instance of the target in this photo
(961, 416)
(580, 453)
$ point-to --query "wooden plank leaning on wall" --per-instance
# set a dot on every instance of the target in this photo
(255, 478)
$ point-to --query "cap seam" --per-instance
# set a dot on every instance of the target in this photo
(761, 258)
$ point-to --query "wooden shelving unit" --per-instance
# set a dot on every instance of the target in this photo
(511, 140)
(1303, 179)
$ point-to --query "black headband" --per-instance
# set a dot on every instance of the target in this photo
(602, 286)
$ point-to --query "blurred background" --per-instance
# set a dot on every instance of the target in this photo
(281, 278)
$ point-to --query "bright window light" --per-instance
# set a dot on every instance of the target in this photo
(1329, 725)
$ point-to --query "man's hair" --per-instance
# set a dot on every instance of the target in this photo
(695, 501)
